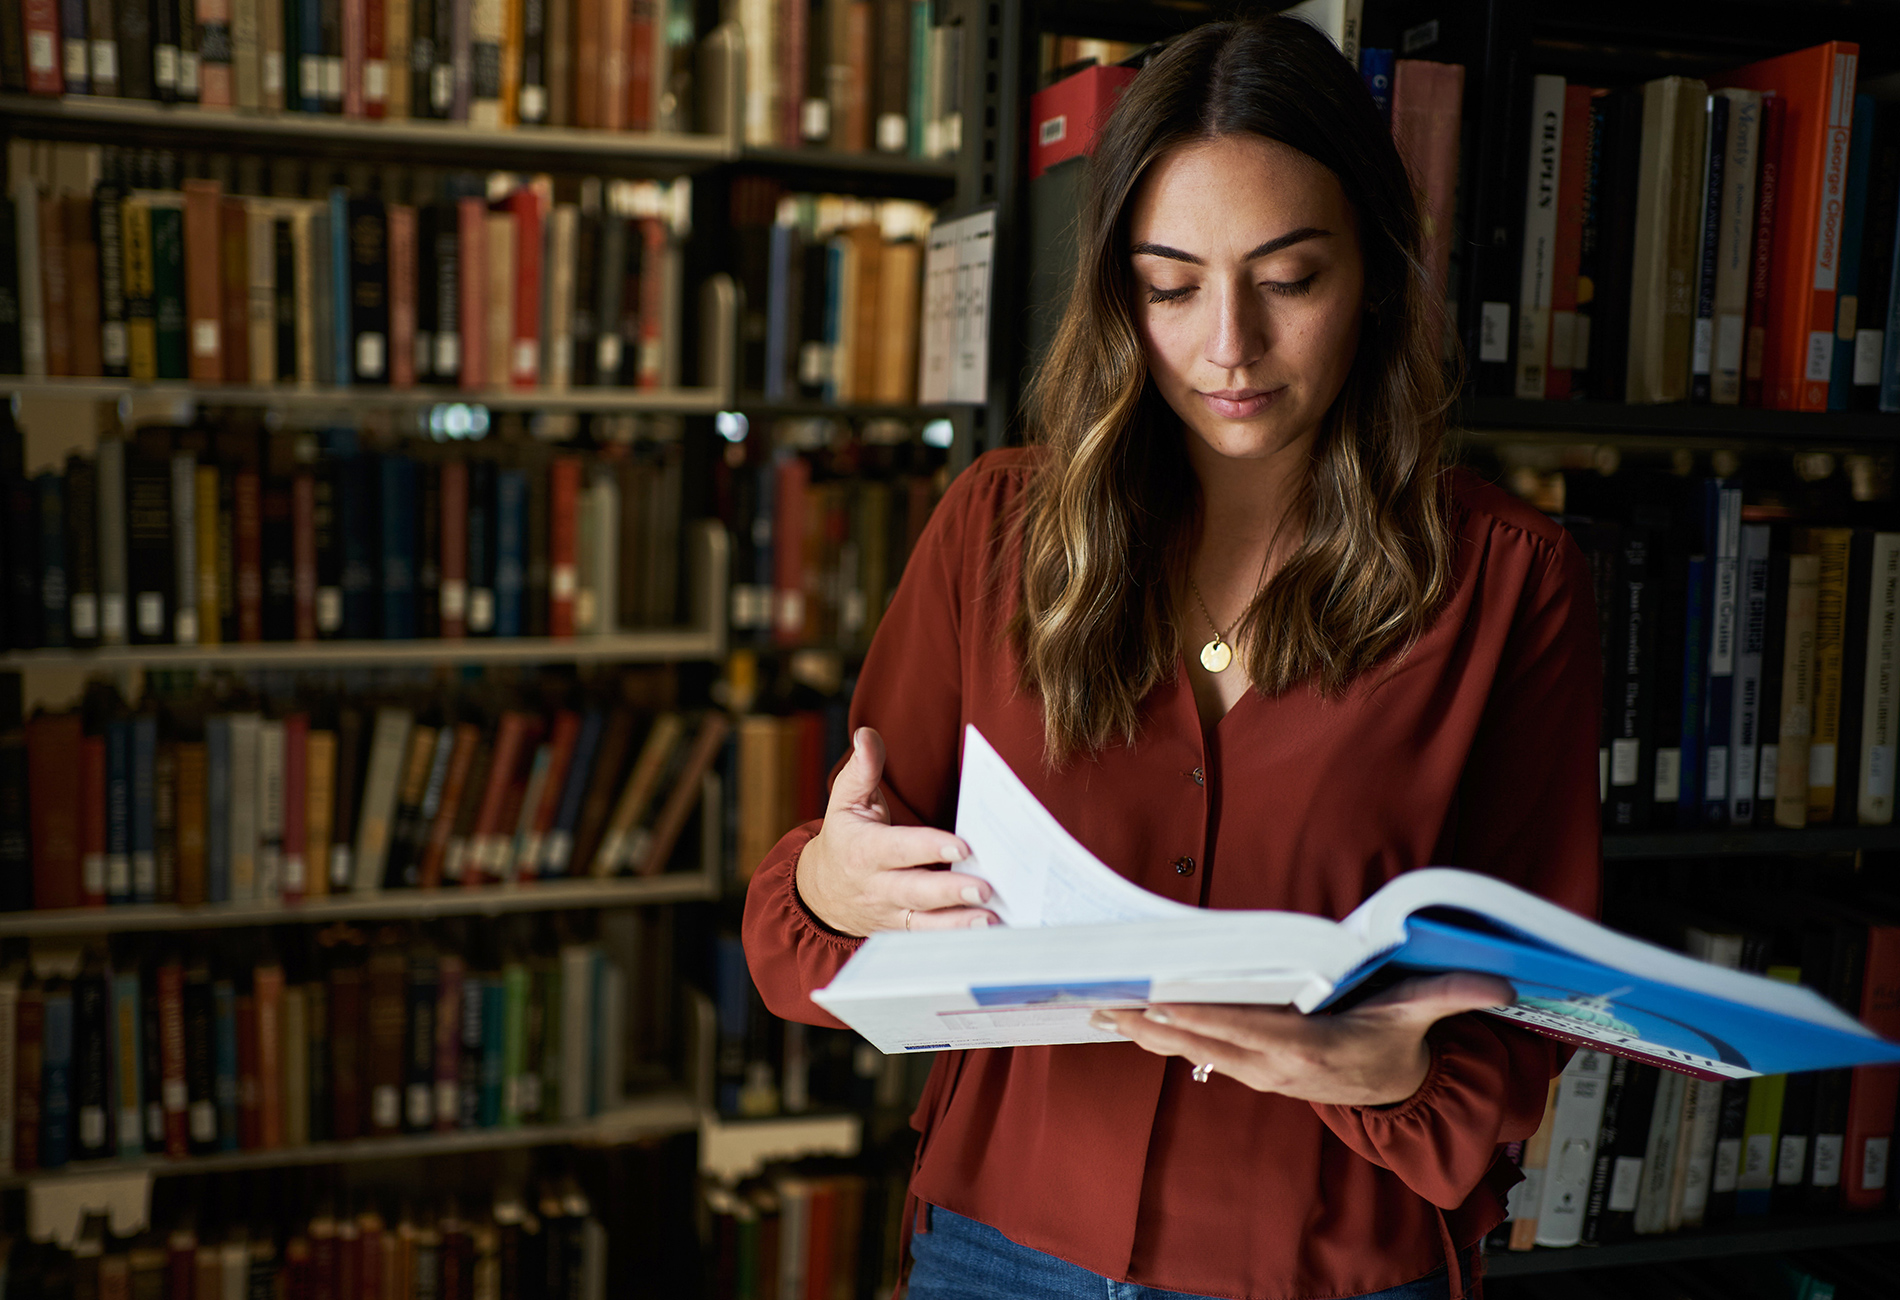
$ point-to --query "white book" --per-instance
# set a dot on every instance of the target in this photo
(603, 492)
(26, 226)
(1573, 1147)
(1659, 1156)
(244, 799)
(389, 745)
(270, 810)
(1702, 340)
(794, 1206)
(577, 1019)
(1715, 1162)
(1698, 1169)
(1877, 701)
(185, 548)
(758, 19)
(1540, 235)
(1735, 243)
(609, 1034)
(112, 561)
(247, 78)
(1751, 638)
(557, 357)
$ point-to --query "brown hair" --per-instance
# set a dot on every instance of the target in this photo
(1112, 511)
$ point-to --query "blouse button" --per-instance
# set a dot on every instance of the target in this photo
(1184, 866)
(1200, 777)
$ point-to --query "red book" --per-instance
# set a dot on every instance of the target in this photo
(43, 48)
(402, 295)
(652, 301)
(1817, 87)
(489, 834)
(247, 1071)
(524, 359)
(1065, 118)
(821, 1235)
(375, 58)
(1876, 1088)
(247, 545)
(454, 557)
(181, 1264)
(810, 789)
(204, 294)
(355, 16)
(1761, 274)
(53, 287)
(54, 758)
(564, 493)
(468, 738)
(296, 797)
(92, 821)
(567, 729)
(1567, 251)
(29, 1059)
(303, 555)
(234, 280)
(171, 1055)
(448, 1052)
(640, 37)
(472, 224)
(1427, 104)
(267, 994)
(793, 489)
(794, 32)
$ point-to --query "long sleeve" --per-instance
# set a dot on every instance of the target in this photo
(1527, 812)
(911, 690)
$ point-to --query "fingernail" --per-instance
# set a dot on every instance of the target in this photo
(1157, 1015)
(953, 853)
(1102, 1020)
(983, 922)
(972, 894)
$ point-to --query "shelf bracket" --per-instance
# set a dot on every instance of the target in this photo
(57, 1209)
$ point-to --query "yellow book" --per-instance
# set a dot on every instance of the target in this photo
(319, 810)
(1797, 693)
(141, 288)
(1830, 545)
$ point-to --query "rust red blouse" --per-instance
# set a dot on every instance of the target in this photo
(1476, 749)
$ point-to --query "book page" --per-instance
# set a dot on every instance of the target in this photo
(1041, 874)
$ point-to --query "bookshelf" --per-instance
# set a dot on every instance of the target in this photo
(606, 401)
(1770, 1237)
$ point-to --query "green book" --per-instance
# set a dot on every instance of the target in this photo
(1761, 1128)
(168, 288)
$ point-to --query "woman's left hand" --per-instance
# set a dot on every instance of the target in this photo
(1372, 1055)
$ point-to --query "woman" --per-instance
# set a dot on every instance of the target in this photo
(1232, 624)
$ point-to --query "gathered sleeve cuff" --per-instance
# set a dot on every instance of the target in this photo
(789, 950)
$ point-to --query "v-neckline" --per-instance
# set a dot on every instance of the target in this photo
(1183, 675)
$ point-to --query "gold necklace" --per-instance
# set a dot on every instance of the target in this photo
(1216, 654)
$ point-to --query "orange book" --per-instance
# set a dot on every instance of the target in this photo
(53, 288)
(1816, 85)
(204, 296)
(454, 552)
(490, 830)
(92, 821)
(1567, 251)
(54, 757)
(234, 273)
(247, 1071)
(319, 809)
(587, 26)
(402, 295)
(468, 739)
(82, 286)
(684, 797)
(267, 994)
(472, 224)
(613, 66)
(524, 356)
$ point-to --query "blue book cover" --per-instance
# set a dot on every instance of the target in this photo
(511, 549)
(309, 19)
(358, 531)
(1722, 539)
(119, 811)
(556, 857)
(76, 65)
(732, 1002)
(779, 322)
(127, 1073)
(144, 809)
(1375, 67)
(53, 585)
(218, 809)
(342, 354)
(56, 1078)
(1860, 163)
(494, 1040)
(225, 1059)
(1694, 649)
(398, 509)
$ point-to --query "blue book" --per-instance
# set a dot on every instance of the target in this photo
(358, 532)
(309, 20)
(119, 811)
(494, 1037)
(56, 1078)
(398, 509)
(1860, 164)
(340, 317)
(1375, 67)
(54, 586)
(144, 809)
(511, 549)
(76, 63)
(1722, 536)
(127, 1072)
(218, 809)
(732, 1002)
(559, 849)
(225, 1060)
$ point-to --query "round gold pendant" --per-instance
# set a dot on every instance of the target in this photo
(1215, 656)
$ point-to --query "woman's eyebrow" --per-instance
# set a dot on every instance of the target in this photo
(1272, 246)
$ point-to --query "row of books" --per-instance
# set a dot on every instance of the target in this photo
(832, 291)
(1626, 1149)
(194, 804)
(820, 538)
(484, 62)
(805, 1233)
(527, 283)
(1727, 241)
(855, 75)
(1749, 660)
(194, 1053)
(219, 534)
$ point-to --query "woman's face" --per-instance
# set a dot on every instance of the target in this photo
(1249, 286)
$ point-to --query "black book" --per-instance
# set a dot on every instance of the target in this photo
(151, 562)
(12, 362)
(1860, 580)
(20, 503)
(165, 51)
(82, 550)
(812, 360)
(92, 1099)
(280, 588)
(1774, 657)
(369, 292)
(447, 367)
(428, 549)
(535, 578)
(629, 333)
(1623, 1176)
(469, 1063)
(1842, 946)
(481, 547)
(427, 307)
(323, 521)
(1600, 1172)
(201, 1067)
(1715, 149)
(1620, 130)
(330, 25)
(531, 102)
(230, 461)
(422, 43)
(187, 30)
(418, 1090)
(587, 253)
(135, 49)
(284, 298)
(319, 1063)
(1876, 257)
(12, 47)
(1731, 1126)
(1633, 639)
(358, 533)
(16, 854)
(151, 1063)
(351, 736)
(611, 279)
(442, 77)
(109, 230)
(50, 494)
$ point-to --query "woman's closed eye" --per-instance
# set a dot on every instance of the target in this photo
(1291, 288)
(1158, 294)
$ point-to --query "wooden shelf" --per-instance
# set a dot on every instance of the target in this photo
(452, 143)
(386, 905)
(892, 174)
(794, 408)
(1720, 425)
(1743, 1237)
(653, 1116)
(621, 647)
(658, 401)
(1735, 843)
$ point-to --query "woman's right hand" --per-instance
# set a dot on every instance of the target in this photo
(862, 874)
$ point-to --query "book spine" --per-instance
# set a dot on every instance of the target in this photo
(402, 295)
(1830, 546)
(423, 995)
(185, 604)
(1875, 793)
(1540, 234)
(1708, 244)
(1849, 289)
(1751, 629)
(56, 1085)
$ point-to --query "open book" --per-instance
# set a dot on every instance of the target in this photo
(1077, 936)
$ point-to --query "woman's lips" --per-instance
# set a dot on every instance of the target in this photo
(1240, 403)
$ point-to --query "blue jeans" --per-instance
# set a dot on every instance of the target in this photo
(961, 1259)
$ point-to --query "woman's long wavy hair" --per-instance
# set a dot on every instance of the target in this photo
(1113, 509)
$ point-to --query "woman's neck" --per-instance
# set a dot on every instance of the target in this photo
(1247, 505)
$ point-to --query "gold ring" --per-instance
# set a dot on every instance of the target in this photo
(907, 915)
